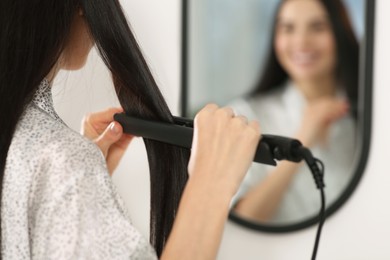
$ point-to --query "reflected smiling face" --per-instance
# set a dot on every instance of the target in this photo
(304, 41)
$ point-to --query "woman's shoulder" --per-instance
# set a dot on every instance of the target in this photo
(42, 139)
(60, 177)
(273, 97)
(259, 106)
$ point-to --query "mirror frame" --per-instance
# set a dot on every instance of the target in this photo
(366, 68)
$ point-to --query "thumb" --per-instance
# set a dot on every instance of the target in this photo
(341, 109)
(111, 135)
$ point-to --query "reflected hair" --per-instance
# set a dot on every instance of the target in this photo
(34, 33)
(347, 52)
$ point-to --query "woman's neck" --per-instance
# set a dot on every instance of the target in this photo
(54, 71)
(317, 88)
(50, 77)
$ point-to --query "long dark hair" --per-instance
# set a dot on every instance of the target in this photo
(33, 36)
(347, 67)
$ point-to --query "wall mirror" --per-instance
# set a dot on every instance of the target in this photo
(303, 68)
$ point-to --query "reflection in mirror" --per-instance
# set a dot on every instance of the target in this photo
(293, 66)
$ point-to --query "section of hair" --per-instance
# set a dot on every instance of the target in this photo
(139, 95)
(32, 37)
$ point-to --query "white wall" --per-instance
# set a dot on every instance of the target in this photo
(360, 230)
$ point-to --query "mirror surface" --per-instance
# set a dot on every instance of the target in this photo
(292, 65)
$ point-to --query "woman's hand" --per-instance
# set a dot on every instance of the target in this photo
(108, 135)
(223, 147)
(318, 117)
(222, 151)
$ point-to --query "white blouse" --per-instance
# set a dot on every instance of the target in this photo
(280, 113)
(58, 200)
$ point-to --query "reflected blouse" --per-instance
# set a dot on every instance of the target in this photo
(58, 200)
(280, 112)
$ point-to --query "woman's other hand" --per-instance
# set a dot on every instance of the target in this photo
(108, 135)
(318, 117)
(223, 147)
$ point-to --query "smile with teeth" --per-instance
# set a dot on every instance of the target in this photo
(304, 58)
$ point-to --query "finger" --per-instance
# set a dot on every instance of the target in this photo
(256, 130)
(243, 119)
(111, 135)
(344, 105)
(210, 107)
(103, 117)
(95, 124)
(255, 125)
(227, 111)
(204, 114)
(340, 109)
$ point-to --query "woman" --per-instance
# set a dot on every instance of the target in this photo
(58, 201)
(308, 91)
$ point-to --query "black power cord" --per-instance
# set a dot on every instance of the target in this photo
(284, 148)
(318, 175)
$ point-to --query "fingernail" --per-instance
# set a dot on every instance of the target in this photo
(113, 128)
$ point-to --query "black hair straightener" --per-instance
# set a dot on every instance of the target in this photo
(269, 149)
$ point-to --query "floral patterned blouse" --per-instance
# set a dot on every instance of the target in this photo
(58, 200)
